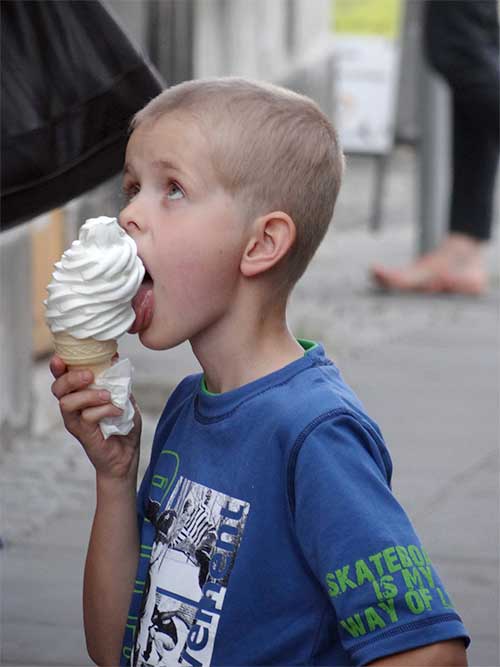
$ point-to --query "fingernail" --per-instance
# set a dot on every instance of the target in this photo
(85, 376)
(104, 395)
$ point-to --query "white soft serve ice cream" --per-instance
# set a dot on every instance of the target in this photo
(94, 283)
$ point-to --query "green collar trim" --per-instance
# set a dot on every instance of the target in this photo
(307, 345)
(204, 389)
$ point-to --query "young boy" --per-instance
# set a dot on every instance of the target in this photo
(267, 531)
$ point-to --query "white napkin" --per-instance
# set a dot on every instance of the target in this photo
(117, 379)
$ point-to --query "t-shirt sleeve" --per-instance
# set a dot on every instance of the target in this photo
(362, 547)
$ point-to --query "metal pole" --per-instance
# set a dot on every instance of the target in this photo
(380, 163)
(433, 158)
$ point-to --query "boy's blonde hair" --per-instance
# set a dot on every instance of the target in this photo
(271, 148)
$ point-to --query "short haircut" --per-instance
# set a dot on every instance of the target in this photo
(272, 148)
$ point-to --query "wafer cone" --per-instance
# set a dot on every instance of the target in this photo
(85, 353)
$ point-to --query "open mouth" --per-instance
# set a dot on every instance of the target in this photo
(143, 303)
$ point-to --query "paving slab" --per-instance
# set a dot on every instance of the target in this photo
(426, 369)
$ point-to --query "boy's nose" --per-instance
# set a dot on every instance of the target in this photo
(129, 220)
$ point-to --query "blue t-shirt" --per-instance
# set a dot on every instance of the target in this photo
(270, 535)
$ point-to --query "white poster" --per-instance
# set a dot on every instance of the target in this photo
(367, 63)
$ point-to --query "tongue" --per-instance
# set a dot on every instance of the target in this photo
(142, 304)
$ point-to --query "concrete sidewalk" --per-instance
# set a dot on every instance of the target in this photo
(426, 369)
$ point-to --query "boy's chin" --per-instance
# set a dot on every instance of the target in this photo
(158, 342)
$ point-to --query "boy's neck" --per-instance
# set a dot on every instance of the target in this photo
(233, 355)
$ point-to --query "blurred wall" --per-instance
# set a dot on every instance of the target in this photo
(15, 335)
(257, 38)
(254, 38)
(285, 41)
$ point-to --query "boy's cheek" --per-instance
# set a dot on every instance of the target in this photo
(195, 278)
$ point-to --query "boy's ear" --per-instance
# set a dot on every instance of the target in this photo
(272, 237)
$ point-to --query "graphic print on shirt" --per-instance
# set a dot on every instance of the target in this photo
(198, 534)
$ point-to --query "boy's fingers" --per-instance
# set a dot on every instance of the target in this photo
(57, 366)
(71, 381)
(94, 415)
(80, 400)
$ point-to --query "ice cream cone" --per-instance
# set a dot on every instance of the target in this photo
(85, 353)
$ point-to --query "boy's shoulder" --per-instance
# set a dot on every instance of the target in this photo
(318, 405)
(303, 390)
(296, 397)
(317, 393)
(186, 388)
(289, 402)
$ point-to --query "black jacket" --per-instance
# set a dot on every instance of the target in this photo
(71, 81)
(461, 40)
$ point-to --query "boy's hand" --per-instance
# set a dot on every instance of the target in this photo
(82, 409)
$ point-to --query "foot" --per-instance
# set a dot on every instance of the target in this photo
(457, 266)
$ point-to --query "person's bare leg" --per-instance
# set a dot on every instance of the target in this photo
(457, 265)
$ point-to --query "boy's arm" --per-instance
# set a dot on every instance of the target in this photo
(442, 654)
(364, 550)
(113, 549)
(110, 569)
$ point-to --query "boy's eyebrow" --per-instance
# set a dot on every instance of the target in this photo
(166, 164)
(188, 176)
(157, 164)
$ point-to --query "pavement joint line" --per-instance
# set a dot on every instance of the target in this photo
(485, 463)
(479, 562)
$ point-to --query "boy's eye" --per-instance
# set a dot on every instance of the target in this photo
(174, 192)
